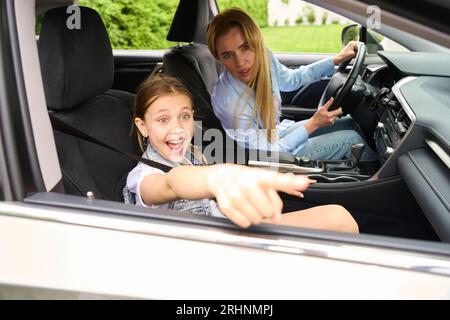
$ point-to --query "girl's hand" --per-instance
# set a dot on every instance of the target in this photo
(349, 52)
(323, 117)
(247, 196)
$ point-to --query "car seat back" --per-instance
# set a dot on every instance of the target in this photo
(78, 70)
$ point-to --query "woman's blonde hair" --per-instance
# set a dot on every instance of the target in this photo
(260, 81)
(149, 91)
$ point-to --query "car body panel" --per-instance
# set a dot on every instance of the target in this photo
(117, 258)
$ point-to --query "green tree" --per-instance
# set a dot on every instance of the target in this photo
(136, 24)
(257, 9)
(324, 17)
(309, 13)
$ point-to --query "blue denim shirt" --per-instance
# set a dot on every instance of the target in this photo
(233, 104)
(206, 207)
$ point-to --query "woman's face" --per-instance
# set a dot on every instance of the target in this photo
(235, 54)
(169, 125)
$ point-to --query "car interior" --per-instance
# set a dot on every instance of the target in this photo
(404, 194)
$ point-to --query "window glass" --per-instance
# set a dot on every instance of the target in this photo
(136, 24)
(294, 26)
(376, 41)
(297, 26)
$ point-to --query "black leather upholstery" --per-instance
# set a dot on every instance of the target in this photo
(78, 63)
(193, 64)
(78, 70)
(190, 22)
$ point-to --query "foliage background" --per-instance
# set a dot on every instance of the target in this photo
(257, 9)
(323, 39)
(143, 24)
(136, 24)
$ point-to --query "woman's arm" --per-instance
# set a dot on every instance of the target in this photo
(238, 122)
(245, 195)
(293, 79)
(348, 52)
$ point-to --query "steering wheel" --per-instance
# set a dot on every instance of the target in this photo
(341, 84)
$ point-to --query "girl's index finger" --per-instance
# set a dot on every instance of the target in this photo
(285, 182)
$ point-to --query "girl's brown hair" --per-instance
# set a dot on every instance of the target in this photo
(149, 91)
(260, 82)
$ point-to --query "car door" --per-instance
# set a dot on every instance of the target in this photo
(131, 67)
(302, 103)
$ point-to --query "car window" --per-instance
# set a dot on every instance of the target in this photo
(376, 41)
(294, 26)
(297, 26)
(138, 24)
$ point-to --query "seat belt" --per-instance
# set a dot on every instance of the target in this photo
(63, 127)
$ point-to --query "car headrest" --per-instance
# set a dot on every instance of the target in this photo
(76, 64)
(190, 22)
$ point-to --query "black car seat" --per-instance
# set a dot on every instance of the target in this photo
(78, 71)
(192, 63)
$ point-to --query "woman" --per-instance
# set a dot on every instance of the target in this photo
(247, 98)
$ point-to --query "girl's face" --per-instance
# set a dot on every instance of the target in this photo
(169, 125)
(235, 54)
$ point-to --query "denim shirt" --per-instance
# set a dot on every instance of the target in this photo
(204, 207)
(233, 104)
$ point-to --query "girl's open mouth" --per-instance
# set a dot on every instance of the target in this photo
(175, 145)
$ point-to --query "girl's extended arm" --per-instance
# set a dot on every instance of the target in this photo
(244, 195)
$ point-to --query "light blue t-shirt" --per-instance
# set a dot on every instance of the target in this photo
(233, 104)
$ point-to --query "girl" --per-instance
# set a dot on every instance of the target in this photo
(247, 94)
(163, 116)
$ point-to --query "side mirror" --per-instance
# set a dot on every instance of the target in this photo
(349, 33)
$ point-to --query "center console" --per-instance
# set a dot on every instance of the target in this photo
(323, 171)
(392, 126)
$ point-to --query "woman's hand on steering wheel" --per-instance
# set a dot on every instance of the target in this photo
(341, 83)
(323, 117)
(349, 52)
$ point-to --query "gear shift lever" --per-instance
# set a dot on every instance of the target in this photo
(357, 151)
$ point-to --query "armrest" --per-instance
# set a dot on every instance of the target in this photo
(296, 113)
(268, 156)
(243, 156)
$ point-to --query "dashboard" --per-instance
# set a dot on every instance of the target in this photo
(411, 95)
